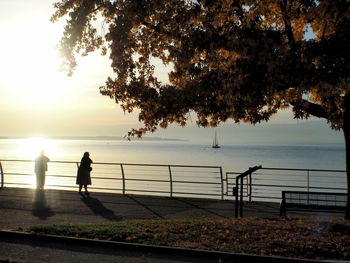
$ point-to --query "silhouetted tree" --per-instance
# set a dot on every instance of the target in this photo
(230, 59)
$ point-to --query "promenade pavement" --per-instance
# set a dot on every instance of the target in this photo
(24, 207)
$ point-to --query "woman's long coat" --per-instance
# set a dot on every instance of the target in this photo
(83, 175)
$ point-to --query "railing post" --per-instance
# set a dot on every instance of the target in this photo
(241, 199)
(123, 177)
(308, 186)
(222, 184)
(2, 176)
(226, 179)
(171, 181)
(236, 202)
(250, 186)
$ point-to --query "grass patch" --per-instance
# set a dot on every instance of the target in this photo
(288, 237)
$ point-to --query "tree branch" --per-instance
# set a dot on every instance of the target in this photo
(284, 4)
(314, 109)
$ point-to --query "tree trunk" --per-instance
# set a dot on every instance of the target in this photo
(346, 130)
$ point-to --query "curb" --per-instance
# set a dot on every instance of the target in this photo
(156, 249)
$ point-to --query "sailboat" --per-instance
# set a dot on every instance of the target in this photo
(215, 141)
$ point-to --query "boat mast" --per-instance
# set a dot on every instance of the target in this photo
(215, 141)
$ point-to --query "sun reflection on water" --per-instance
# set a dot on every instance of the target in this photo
(30, 148)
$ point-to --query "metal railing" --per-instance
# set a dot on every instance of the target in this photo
(267, 184)
(160, 179)
(239, 188)
(1, 177)
(258, 183)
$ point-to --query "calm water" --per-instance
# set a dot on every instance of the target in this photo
(236, 158)
(231, 158)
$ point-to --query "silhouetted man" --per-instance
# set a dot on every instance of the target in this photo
(40, 170)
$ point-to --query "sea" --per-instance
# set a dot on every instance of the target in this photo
(231, 159)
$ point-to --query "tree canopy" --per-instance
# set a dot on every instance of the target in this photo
(239, 60)
(231, 59)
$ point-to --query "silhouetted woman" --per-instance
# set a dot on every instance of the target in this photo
(83, 176)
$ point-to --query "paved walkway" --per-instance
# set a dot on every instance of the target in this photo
(22, 207)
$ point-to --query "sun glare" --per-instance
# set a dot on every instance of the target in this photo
(31, 148)
(31, 66)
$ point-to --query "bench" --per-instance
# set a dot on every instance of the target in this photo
(315, 201)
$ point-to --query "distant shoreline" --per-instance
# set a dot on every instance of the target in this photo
(97, 138)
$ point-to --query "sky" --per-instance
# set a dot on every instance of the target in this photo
(36, 99)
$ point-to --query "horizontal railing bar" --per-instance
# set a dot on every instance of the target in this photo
(282, 180)
(184, 179)
(5, 183)
(92, 187)
(214, 189)
(266, 197)
(65, 176)
(166, 192)
(301, 169)
(65, 186)
(166, 175)
(107, 178)
(267, 185)
(190, 182)
(19, 174)
(279, 185)
(197, 172)
(273, 176)
(176, 171)
(327, 175)
(311, 177)
(146, 172)
(166, 181)
(196, 193)
(340, 179)
(12, 160)
(106, 188)
(129, 164)
(146, 191)
(325, 188)
(146, 180)
(297, 186)
(283, 175)
(161, 165)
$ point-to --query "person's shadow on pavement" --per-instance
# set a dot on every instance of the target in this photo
(99, 209)
(39, 207)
